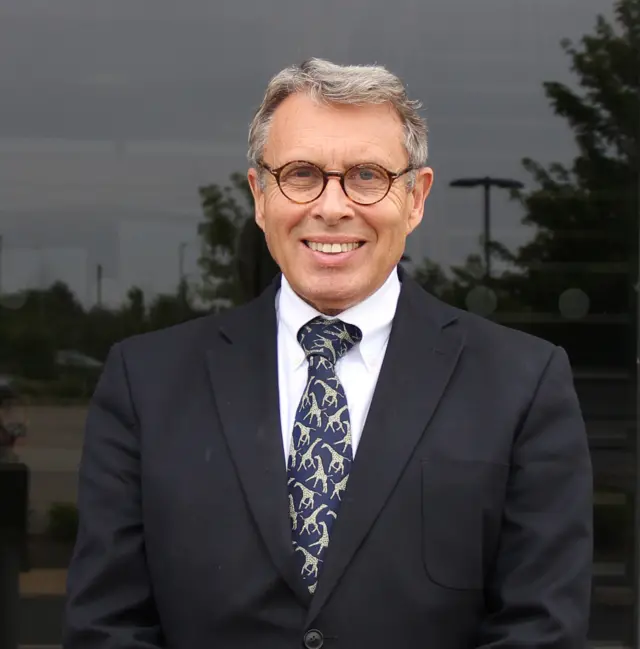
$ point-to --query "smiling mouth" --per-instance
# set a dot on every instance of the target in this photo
(333, 248)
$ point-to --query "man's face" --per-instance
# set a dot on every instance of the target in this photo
(335, 138)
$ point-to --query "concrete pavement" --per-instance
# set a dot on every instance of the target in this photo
(52, 452)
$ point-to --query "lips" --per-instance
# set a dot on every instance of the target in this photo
(332, 248)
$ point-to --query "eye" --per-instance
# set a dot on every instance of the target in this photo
(366, 174)
(301, 172)
(298, 172)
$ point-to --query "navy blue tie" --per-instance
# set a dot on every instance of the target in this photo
(320, 454)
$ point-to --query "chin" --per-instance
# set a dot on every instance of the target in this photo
(331, 298)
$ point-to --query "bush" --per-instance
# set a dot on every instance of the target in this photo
(63, 522)
(33, 354)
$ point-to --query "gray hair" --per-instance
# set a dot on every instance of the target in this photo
(330, 83)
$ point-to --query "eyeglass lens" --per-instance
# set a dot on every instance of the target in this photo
(303, 182)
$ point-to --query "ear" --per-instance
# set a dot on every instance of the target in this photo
(421, 188)
(253, 176)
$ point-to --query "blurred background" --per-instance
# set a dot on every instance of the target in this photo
(124, 208)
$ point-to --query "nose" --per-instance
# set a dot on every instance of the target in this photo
(333, 204)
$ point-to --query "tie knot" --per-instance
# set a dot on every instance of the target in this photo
(330, 339)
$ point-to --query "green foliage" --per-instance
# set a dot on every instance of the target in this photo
(584, 217)
(36, 325)
(62, 524)
(433, 278)
(33, 352)
(226, 210)
(586, 214)
(52, 320)
(29, 335)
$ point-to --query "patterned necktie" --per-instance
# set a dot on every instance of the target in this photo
(320, 454)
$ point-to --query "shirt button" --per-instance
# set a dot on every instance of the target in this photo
(313, 639)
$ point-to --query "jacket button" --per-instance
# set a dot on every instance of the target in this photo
(313, 639)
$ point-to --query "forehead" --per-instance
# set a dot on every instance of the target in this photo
(335, 135)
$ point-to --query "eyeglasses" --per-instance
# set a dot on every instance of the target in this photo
(365, 184)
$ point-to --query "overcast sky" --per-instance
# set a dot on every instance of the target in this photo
(112, 114)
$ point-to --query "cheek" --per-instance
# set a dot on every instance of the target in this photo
(391, 226)
(281, 220)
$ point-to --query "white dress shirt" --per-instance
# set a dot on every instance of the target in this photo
(357, 370)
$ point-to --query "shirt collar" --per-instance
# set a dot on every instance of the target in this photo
(372, 316)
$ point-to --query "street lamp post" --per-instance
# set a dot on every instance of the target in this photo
(487, 182)
(99, 271)
(1, 260)
(181, 254)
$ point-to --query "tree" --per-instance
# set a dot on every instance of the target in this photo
(132, 315)
(586, 214)
(226, 209)
(235, 262)
(434, 279)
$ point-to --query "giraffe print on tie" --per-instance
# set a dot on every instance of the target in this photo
(320, 455)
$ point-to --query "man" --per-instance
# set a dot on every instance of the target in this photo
(344, 462)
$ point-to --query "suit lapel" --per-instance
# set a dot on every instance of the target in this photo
(243, 370)
(423, 349)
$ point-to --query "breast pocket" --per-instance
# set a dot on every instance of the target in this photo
(461, 512)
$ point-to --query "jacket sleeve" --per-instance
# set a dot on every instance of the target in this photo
(538, 592)
(110, 602)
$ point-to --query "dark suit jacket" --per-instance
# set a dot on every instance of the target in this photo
(466, 521)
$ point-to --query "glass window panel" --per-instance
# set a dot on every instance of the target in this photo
(115, 149)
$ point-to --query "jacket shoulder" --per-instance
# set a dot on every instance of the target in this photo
(179, 336)
(492, 342)
(497, 336)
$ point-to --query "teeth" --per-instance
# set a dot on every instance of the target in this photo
(332, 248)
